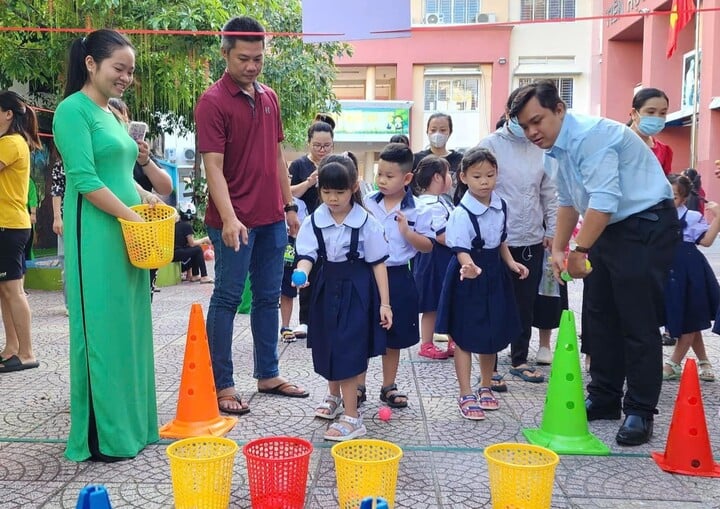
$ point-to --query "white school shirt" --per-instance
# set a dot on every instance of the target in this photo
(460, 233)
(419, 219)
(696, 225)
(372, 246)
(302, 209)
(440, 209)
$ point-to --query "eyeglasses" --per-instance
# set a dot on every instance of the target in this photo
(317, 146)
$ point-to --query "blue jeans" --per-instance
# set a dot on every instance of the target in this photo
(263, 257)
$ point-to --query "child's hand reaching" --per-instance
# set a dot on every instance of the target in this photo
(386, 317)
(299, 279)
(402, 222)
(713, 207)
(520, 269)
(470, 271)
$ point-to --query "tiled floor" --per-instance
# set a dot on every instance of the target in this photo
(443, 463)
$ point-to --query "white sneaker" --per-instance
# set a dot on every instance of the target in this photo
(300, 331)
(544, 356)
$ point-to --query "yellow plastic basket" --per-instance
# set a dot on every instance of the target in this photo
(150, 244)
(366, 468)
(201, 469)
(521, 475)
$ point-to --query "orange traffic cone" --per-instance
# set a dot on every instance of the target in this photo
(197, 410)
(688, 450)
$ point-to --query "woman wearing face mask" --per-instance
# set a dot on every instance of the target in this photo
(439, 129)
(647, 118)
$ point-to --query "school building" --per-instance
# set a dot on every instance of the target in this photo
(463, 58)
(634, 55)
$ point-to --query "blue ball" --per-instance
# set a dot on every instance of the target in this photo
(299, 278)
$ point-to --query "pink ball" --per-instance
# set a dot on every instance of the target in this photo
(385, 413)
(209, 254)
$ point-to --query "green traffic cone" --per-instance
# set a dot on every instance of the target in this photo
(564, 427)
(246, 302)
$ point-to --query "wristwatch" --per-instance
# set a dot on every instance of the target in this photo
(578, 249)
(291, 207)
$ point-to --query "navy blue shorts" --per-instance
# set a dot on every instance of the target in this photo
(286, 288)
(12, 252)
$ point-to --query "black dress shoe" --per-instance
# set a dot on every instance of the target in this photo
(595, 412)
(635, 430)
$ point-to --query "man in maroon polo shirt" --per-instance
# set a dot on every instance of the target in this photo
(239, 135)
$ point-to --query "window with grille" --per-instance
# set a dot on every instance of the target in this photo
(546, 9)
(564, 85)
(453, 11)
(451, 94)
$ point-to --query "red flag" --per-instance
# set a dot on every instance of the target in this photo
(680, 15)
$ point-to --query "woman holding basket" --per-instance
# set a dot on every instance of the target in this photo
(112, 382)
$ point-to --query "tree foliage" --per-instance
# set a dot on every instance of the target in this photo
(171, 70)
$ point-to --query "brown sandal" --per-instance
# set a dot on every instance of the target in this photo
(229, 410)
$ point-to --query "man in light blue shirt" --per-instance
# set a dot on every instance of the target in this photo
(605, 172)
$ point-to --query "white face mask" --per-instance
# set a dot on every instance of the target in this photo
(438, 140)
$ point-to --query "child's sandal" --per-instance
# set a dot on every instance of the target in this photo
(361, 394)
(330, 408)
(676, 371)
(469, 408)
(486, 399)
(287, 335)
(390, 395)
(347, 428)
(705, 371)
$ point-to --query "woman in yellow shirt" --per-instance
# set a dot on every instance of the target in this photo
(18, 134)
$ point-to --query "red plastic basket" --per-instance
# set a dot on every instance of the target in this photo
(277, 472)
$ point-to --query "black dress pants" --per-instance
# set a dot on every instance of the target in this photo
(625, 308)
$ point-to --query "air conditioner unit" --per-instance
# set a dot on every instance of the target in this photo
(485, 18)
(433, 18)
(189, 154)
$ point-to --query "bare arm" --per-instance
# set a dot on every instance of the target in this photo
(468, 269)
(305, 266)
(192, 241)
(300, 189)
(146, 196)
(518, 268)
(567, 218)
(381, 279)
(419, 242)
(593, 225)
(712, 232)
(416, 240)
(290, 217)
(159, 178)
(57, 215)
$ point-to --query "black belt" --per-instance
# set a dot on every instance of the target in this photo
(667, 203)
(650, 215)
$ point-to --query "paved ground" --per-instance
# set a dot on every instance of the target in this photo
(443, 464)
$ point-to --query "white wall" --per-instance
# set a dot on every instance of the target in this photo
(569, 39)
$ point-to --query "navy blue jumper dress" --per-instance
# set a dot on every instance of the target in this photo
(479, 314)
(692, 293)
(429, 273)
(344, 323)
